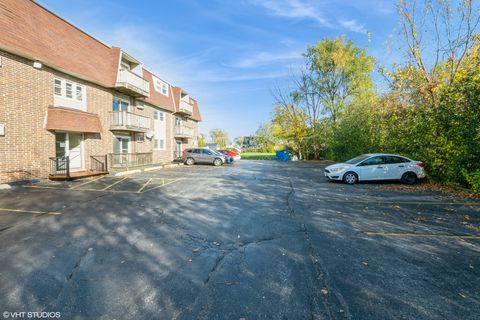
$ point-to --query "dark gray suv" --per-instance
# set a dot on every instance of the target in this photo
(200, 155)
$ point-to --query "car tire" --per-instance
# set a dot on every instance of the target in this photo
(350, 178)
(217, 162)
(409, 178)
(189, 162)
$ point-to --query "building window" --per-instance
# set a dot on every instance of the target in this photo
(159, 144)
(69, 90)
(57, 85)
(140, 137)
(160, 86)
(120, 105)
(159, 129)
(79, 93)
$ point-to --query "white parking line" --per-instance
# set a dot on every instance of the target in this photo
(29, 211)
(85, 183)
(113, 184)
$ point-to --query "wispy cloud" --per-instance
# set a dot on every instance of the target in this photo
(294, 9)
(311, 10)
(265, 58)
(353, 26)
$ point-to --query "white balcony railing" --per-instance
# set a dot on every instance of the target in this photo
(128, 79)
(186, 107)
(182, 131)
(124, 120)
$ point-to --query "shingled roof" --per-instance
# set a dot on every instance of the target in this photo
(32, 31)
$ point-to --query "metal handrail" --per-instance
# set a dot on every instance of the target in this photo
(60, 166)
(127, 160)
(99, 163)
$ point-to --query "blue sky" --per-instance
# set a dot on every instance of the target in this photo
(229, 54)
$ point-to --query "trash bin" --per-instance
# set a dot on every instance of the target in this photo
(282, 155)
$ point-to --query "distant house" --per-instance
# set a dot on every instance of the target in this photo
(245, 142)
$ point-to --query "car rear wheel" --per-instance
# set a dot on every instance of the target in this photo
(350, 178)
(409, 178)
(217, 162)
(190, 162)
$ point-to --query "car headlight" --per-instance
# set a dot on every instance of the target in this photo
(338, 169)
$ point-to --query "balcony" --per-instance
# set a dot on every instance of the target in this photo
(183, 132)
(129, 160)
(132, 84)
(185, 108)
(127, 121)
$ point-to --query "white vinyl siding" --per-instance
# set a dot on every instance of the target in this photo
(69, 94)
(160, 130)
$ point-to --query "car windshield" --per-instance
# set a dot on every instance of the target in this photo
(357, 159)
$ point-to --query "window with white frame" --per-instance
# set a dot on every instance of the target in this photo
(68, 89)
(70, 94)
(160, 129)
(57, 87)
(160, 86)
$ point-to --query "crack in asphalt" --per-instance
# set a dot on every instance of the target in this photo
(321, 275)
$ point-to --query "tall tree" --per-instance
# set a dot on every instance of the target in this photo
(438, 34)
(202, 140)
(264, 137)
(220, 137)
(337, 71)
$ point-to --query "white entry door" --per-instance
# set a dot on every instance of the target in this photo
(70, 144)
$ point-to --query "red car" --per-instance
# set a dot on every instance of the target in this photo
(230, 153)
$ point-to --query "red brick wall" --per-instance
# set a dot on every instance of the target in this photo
(25, 94)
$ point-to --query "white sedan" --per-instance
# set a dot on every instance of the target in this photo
(377, 166)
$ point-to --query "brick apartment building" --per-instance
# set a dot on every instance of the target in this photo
(68, 101)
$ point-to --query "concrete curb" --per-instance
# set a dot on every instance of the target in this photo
(125, 173)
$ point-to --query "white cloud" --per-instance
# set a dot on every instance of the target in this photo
(265, 58)
(311, 10)
(294, 9)
(353, 26)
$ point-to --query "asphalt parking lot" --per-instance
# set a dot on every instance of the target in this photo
(254, 240)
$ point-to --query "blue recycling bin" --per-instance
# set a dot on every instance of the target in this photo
(282, 155)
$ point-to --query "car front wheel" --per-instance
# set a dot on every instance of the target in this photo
(217, 162)
(409, 178)
(190, 162)
(350, 178)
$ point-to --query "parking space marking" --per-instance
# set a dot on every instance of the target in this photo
(424, 235)
(113, 184)
(145, 185)
(163, 185)
(376, 201)
(85, 183)
(30, 211)
(44, 187)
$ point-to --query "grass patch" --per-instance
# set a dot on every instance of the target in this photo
(257, 156)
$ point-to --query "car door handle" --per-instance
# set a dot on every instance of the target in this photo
(401, 166)
(380, 167)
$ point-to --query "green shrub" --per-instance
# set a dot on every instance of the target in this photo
(473, 179)
(257, 156)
